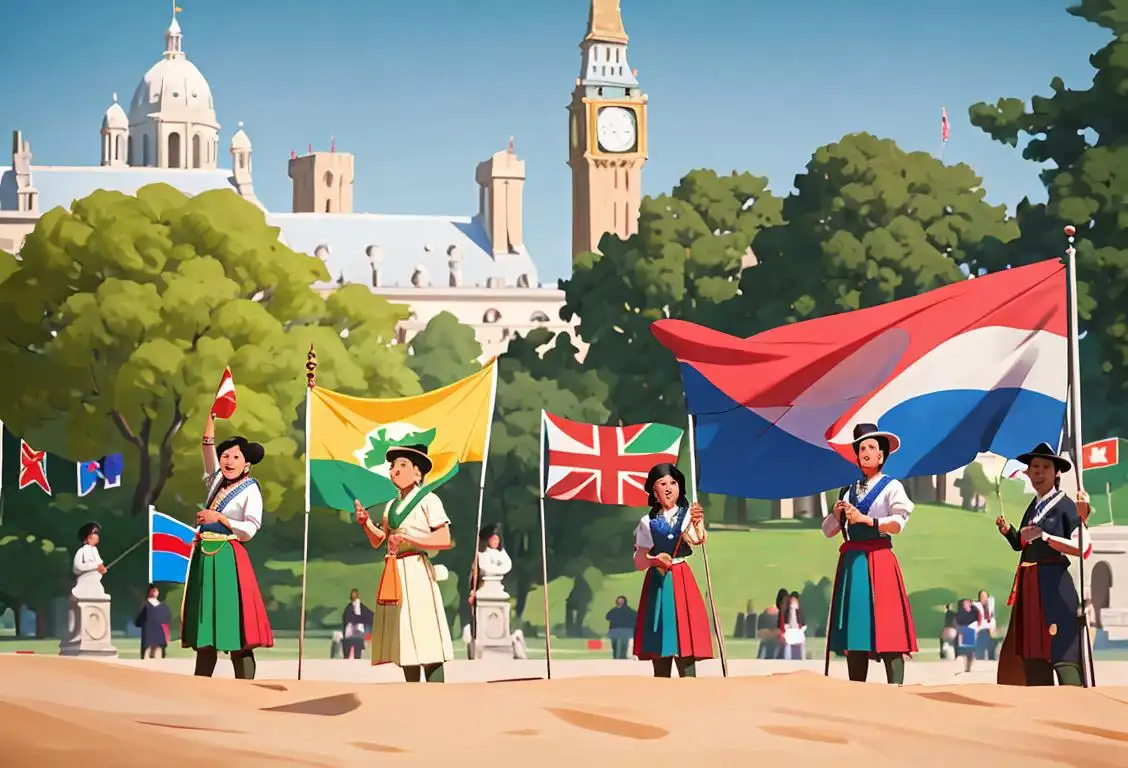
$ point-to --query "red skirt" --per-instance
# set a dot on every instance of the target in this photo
(672, 620)
(870, 605)
(256, 624)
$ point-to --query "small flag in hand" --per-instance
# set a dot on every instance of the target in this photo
(224, 406)
(945, 127)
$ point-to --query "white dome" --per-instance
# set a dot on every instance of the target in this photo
(115, 117)
(240, 140)
(173, 84)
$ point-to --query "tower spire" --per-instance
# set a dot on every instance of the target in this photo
(605, 22)
(174, 39)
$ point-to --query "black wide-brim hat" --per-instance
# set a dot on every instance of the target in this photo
(867, 431)
(416, 454)
(1044, 451)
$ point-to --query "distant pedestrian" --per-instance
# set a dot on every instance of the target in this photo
(356, 620)
(153, 621)
(794, 628)
(621, 627)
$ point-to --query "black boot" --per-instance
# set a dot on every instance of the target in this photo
(857, 665)
(663, 667)
(205, 661)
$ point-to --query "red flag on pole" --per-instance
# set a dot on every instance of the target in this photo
(945, 128)
(224, 405)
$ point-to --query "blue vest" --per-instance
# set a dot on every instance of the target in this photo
(667, 536)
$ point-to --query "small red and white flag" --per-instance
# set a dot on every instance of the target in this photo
(224, 405)
(945, 127)
(1102, 453)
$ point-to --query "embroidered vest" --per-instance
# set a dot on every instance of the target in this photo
(667, 535)
(861, 531)
(218, 527)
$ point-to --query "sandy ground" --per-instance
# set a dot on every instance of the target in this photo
(90, 714)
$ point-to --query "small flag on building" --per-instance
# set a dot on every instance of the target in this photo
(224, 405)
(605, 465)
(1100, 454)
(170, 547)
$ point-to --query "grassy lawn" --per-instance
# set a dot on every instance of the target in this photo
(945, 553)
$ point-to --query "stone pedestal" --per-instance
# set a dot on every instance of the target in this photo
(491, 606)
(87, 631)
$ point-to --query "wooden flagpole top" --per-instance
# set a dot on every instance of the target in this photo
(311, 368)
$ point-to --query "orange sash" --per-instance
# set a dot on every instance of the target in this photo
(390, 591)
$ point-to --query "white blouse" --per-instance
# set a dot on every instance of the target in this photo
(243, 510)
(893, 503)
(428, 516)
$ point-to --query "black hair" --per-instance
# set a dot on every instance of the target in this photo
(416, 454)
(252, 452)
(485, 534)
(152, 587)
(85, 531)
(882, 443)
(657, 472)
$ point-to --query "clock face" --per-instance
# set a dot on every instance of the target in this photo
(616, 130)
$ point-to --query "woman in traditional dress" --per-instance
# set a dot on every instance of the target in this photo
(672, 625)
(410, 629)
(1044, 638)
(870, 614)
(223, 608)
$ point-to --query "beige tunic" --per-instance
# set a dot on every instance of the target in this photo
(416, 631)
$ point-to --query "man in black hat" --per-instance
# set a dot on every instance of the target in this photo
(1044, 636)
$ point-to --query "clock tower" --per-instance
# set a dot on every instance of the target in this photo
(607, 134)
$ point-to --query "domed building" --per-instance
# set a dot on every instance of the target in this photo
(475, 267)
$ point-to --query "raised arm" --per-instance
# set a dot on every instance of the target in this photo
(207, 447)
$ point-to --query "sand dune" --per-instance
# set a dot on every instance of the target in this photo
(89, 714)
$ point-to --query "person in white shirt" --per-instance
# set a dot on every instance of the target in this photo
(87, 566)
(985, 639)
(223, 609)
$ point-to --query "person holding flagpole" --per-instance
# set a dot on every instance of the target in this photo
(870, 616)
(1043, 638)
(410, 628)
(223, 610)
(672, 625)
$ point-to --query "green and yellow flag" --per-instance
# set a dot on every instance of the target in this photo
(349, 436)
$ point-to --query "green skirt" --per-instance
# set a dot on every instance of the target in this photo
(223, 608)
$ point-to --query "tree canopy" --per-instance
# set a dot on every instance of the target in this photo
(122, 312)
(867, 223)
(684, 262)
(443, 352)
(1080, 136)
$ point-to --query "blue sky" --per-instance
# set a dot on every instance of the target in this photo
(422, 91)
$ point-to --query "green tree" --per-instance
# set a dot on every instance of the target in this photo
(868, 223)
(123, 311)
(443, 352)
(685, 262)
(578, 534)
(1079, 137)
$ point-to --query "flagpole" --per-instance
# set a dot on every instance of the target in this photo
(824, 511)
(150, 544)
(1088, 674)
(473, 585)
(1108, 497)
(705, 551)
(544, 559)
(311, 382)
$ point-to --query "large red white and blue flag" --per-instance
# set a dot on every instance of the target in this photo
(170, 546)
(976, 366)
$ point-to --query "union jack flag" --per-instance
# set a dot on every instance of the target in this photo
(605, 465)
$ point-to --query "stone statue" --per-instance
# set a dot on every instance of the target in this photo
(491, 601)
(88, 567)
(88, 607)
